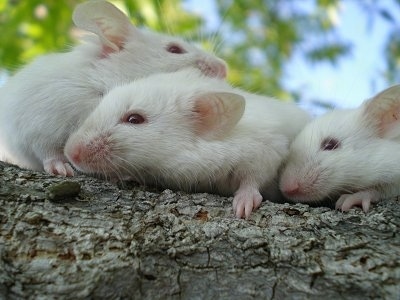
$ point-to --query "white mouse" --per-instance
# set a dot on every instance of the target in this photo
(190, 132)
(44, 102)
(347, 156)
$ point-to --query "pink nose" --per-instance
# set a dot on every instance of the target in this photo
(75, 154)
(291, 189)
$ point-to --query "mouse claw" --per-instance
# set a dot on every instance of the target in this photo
(361, 199)
(58, 167)
(245, 201)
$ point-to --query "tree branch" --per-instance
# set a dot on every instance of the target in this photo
(91, 239)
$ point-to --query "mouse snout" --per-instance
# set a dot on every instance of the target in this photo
(212, 68)
(298, 186)
(291, 189)
(74, 154)
(90, 155)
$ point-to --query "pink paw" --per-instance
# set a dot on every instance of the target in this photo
(362, 199)
(245, 201)
(58, 167)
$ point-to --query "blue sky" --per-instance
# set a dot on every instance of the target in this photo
(355, 78)
(358, 76)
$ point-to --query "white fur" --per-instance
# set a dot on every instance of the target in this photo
(48, 99)
(169, 152)
(366, 160)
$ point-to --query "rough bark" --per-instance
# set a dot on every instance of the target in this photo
(83, 238)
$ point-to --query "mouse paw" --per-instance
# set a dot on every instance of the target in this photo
(362, 199)
(56, 166)
(245, 201)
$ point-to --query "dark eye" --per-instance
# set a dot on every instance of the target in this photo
(134, 118)
(173, 48)
(329, 144)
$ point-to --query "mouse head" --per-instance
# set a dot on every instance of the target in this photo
(126, 49)
(151, 124)
(341, 151)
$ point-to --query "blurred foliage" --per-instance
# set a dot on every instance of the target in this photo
(256, 38)
(30, 28)
(392, 49)
(273, 31)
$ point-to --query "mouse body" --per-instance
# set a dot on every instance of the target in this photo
(347, 156)
(47, 100)
(189, 132)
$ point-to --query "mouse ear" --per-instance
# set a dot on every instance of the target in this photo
(383, 110)
(104, 19)
(217, 113)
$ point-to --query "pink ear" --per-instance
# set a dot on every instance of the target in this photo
(105, 20)
(383, 110)
(217, 113)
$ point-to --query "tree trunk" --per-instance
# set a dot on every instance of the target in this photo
(84, 238)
